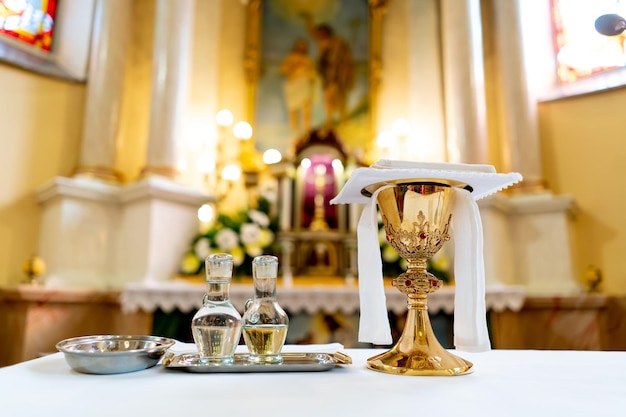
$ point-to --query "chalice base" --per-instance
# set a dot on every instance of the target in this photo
(418, 352)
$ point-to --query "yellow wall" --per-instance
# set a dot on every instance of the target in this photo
(41, 121)
(584, 155)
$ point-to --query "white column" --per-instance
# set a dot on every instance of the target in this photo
(104, 90)
(79, 222)
(527, 242)
(157, 224)
(528, 235)
(158, 217)
(464, 83)
(80, 216)
(498, 241)
(102, 235)
(426, 101)
(172, 38)
(202, 131)
(520, 132)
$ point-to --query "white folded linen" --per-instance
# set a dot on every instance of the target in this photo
(470, 326)
(470, 319)
(373, 322)
(482, 178)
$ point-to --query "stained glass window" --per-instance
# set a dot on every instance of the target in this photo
(580, 50)
(29, 21)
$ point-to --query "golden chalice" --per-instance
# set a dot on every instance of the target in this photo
(416, 216)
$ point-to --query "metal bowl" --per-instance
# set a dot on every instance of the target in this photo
(113, 354)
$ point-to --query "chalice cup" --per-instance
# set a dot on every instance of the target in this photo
(416, 217)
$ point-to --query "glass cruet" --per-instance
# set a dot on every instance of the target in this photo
(216, 327)
(264, 322)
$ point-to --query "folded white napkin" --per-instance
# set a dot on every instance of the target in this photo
(470, 319)
(373, 322)
(482, 178)
(441, 166)
(470, 326)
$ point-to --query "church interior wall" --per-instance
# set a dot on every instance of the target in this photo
(41, 134)
(582, 156)
(42, 128)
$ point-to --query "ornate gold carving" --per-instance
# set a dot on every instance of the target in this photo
(416, 245)
(419, 241)
(161, 171)
(99, 172)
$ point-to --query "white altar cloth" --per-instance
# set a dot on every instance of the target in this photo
(169, 295)
(504, 383)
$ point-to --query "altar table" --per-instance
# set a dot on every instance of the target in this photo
(319, 313)
(504, 383)
(170, 295)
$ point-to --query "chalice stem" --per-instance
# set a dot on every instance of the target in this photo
(418, 352)
(417, 329)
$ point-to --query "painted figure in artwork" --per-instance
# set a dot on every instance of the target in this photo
(335, 66)
(299, 87)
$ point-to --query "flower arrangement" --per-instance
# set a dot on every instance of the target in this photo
(252, 232)
(246, 234)
(394, 265)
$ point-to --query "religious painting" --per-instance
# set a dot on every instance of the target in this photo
(309, 66)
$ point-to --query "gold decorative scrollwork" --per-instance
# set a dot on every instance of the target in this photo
(419, 241)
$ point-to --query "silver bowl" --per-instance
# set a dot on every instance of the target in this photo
(113, 354)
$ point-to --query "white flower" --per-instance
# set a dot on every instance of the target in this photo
(226, 240)
(269, 193)
(259, 218)
(250, 233)
(202, 248)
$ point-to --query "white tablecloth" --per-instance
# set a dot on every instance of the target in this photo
(187, 297)
(504, 383)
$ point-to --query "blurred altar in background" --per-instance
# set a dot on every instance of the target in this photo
(183, 136)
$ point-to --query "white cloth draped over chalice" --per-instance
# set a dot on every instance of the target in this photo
(470, 323)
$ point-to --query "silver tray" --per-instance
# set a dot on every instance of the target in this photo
(292, 362)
